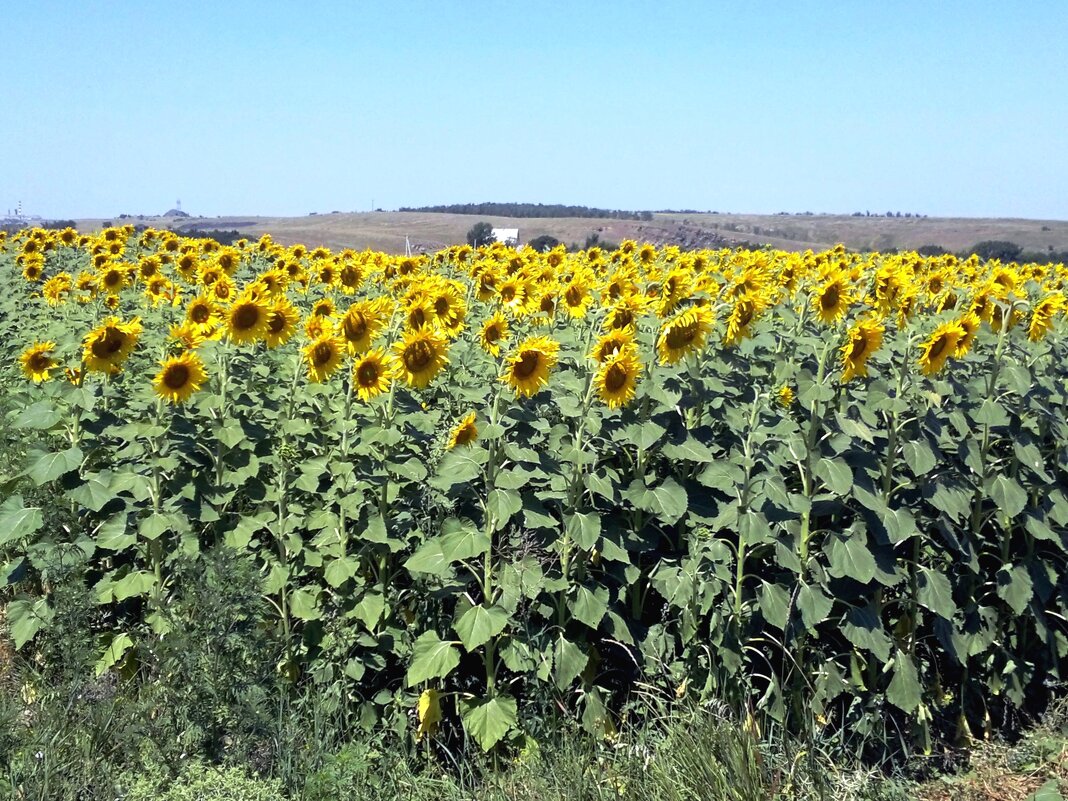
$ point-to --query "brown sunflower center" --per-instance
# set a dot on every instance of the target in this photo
(40, 361)
(112, 278)
(492, 333)
(441, 306)
(829, 298)
(322, 354)
(465, 434)
(354, 326)
(527, 364)
(574, 296)
(108, 343)
(176, 376)
(860, 346)
(680, 335)
(367, 373)
(507, 293)
(615, 378)
(417, 357)
(246, 316)
(938, 347)
(200, 313)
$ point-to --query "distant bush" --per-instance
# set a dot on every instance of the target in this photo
(996, 249)
(932, 250)
(531, 210)
(543, 243)
(481, 233)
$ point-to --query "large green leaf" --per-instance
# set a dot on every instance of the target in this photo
(1015, 587)
(935, 592)
(836, 474)
(667, 502)
(774, 604)
(115, 651)
(17, 521)
(850, 557)
(479, 624)
(502, 504)
(862, 628)
(25, 618)
(304, 604)
(584, 528)
(589, 606)
(904, 690)
(51, 466)
(813, 604)
(570, 660)
(489, 720)
(432, 658)
(1008, 495)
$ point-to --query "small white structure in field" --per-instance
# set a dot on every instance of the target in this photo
(508, 236)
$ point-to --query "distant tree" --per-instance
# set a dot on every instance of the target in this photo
(997, 249)
(932, 250)
(481, 233)
(543, 243)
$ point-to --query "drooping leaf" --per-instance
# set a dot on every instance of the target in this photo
(569, 661)
(18, 521)
(479, 624)
(51, 466)
(432, 658)
(489, 720)
(115, 651)
(904, 690)
(25, 618)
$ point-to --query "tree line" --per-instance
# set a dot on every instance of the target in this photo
(531, 210)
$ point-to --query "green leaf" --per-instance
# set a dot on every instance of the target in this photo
(935, 593)
(1015, 587)
(459, 468)
(51, 466)
(774, 604)
(430, 558)
(668, 502)
(814, 605)
(689, 450)
(25, 618)
(135, 583)
(835, 474)
(584, 528)
(93, 494)
(904, 690)
(1008, 495)
(114, 652)
(462, 539)
(570, 661)
(338, 571)
(1050, 791)
(432, 658)
(479, 624)
(112, 535)
(304, 604)
(17, 521)
(589, 606)
(159, 523)
(850, 557)
(488, 721)
(370, 609)
(38, 416)
(502, 504)
(644, 435)
(919, 457)
(862, 628)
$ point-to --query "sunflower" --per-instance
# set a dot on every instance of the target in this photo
(617, 378)
(785, 396)
(202, 312)
(942, 344)
(246, 320)
(316, 326)
(969, 324)
(324, 357)
(113, 279)
(108, 345)
(282, 319)
(421, 354)
(1043, 314)
(372, 374)
(494, 331)
(360, 325)
(179, 377)
(189, 335)
(223, 289)
(324, 307)
(449, 309)
(527, 369)
(419, 314)
(611, 343)
(349, 278)
(33, 268)
(832, 299)
(512, 294)
(684, 334)
(463, 433)
(56, 288)
(37, 360)
(577, 297)
(862, 341)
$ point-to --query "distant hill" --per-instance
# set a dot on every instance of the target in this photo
(531, 211)
(176, 213)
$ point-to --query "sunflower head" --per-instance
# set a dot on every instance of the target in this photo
(420, 355)
(832, 299)
(246, 320)
(494, 331)
(37, 360)
(611, 343)
(617, 378)
(179, 377)
(282, 320)
(939, 347)
(463, 433)
(371, 374)
(862, 340)
(108, 345)
(527, 368)
(785, 396)
(684, 334)
(323, 356)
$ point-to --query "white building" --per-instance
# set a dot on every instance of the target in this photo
(509, 236)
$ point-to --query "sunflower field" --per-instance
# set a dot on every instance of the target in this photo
(828, 488)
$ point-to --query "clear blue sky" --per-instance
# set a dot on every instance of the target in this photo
(944, 108)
